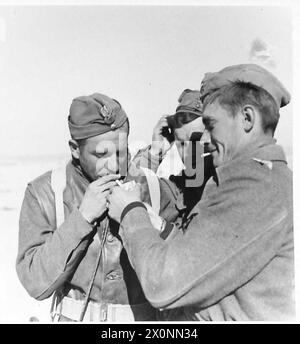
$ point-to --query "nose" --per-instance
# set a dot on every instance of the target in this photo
(113, 164)
(205, 139)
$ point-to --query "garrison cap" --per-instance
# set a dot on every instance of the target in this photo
(190, 101)
(251, 73)
(93, 115)
(190, 106)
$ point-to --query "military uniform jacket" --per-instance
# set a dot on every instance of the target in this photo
(234, 260)
(63, 259)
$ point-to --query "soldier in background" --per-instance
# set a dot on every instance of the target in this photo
(183, 129)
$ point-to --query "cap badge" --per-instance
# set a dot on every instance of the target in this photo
(109, 116)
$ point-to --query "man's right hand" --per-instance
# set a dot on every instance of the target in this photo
(160, 144)
(94, 202)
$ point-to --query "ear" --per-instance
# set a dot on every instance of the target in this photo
(74, 147)
(248, 117)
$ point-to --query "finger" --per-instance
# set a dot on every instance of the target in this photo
(105, 194)
(163, 120)
(108, 186)
(108, 198)
(112, 194)
(114, 189)
(163, 125)
(163, 117)
(106, 179)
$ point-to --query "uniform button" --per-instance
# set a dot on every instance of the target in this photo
(110, 237)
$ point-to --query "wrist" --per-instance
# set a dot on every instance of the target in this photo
(89, 219)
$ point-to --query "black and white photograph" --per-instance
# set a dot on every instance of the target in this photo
(146, 163)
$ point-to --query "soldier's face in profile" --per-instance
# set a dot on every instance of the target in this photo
(104, 154)
(223, 133)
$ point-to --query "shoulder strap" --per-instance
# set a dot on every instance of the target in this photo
(154, 188)
(58, 184)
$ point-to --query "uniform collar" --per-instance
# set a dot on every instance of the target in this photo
(78, 175)
(265, 151)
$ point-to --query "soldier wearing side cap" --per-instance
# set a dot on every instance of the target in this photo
(234, 261)
(81, 261)
(184, 129)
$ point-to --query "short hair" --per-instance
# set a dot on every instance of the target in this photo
(238, 94)
(123, 127)
(181, 118)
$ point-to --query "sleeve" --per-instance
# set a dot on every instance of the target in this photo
(170, 194)
(224, 246)
(47, 257)
(144, 158)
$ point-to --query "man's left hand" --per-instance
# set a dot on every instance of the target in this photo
(120, 198)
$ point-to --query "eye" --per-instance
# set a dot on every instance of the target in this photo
(209, 127)
(209, 124)
(101, 154)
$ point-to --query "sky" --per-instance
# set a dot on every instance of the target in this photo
(143, 56)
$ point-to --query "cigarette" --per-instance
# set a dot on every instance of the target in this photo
(205, 154)
(119, 183)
